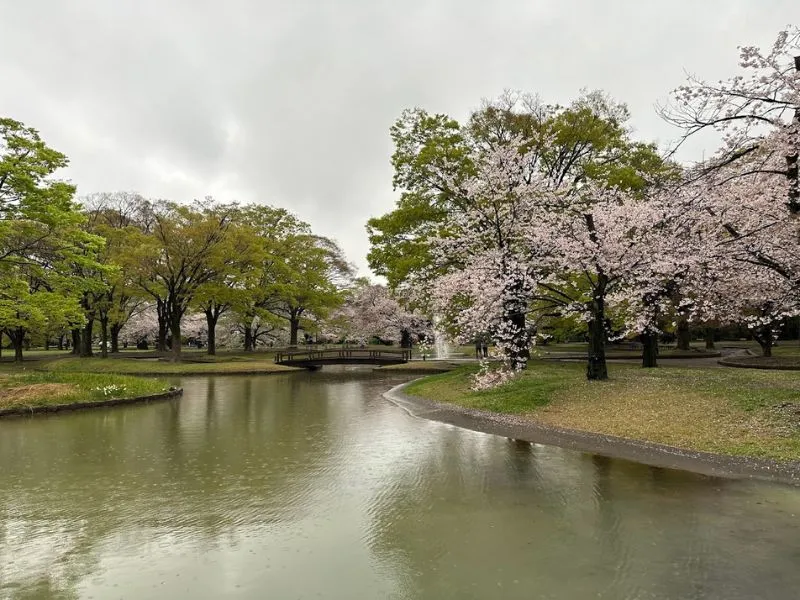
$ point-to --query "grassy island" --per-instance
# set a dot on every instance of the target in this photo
(31, 389)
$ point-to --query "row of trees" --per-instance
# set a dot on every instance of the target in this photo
(531, 212)
(93, 266)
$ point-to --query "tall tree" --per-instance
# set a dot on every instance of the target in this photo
(40, 236)
(313, 273)
(179, 255)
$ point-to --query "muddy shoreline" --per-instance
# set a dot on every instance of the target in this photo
(656, 455)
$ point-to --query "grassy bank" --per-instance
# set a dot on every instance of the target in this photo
(420, 366)
(727, 411)
(153, 366)
(28, 389)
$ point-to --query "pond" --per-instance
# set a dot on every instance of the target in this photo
(311, 485)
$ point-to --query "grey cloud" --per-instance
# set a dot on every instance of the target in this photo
(290, 102)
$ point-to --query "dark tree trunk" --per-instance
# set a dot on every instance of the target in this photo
(514, 333)
(115, 329)
(76, 342)
(175, 331)
(294, 327)
(405, 339)
(46, 343)
(649, 350)
(596, 368)
(710, 338)
(17, 337)
(793, 161)
(248, 338)
(61, 341)
(519, 352)
(161, 342)
(211, 323)
(684, 335)
(86, 339)
(765, 339)
(104, 337)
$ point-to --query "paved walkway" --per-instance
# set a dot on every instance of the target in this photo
(704, 363)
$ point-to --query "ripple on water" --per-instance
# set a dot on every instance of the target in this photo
(313, 485)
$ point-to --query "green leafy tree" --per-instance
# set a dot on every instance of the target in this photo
(181, 252)
(312, 277)
(41, 237)
(235, 276)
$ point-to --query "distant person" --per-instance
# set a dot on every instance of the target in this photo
(478, 349)
(484, 350)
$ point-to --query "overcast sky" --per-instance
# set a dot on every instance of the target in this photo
(290, 102)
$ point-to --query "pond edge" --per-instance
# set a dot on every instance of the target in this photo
(20, 411)
(643, 452)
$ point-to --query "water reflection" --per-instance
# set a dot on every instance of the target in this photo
(311, 485)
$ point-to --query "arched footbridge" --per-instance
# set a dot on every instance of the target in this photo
(314, 359)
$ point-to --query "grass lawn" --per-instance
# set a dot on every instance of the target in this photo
(33, 388)
(728, 411)
(145, 366)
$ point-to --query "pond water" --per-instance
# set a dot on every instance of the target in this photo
(314, 486)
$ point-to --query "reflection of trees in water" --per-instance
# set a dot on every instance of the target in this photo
(233, 454)
(475, 519)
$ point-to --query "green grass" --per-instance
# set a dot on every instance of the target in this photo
(728, 411)
(420, 366)
(32, 388)
(140, 366)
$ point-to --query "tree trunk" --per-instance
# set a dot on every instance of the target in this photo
(86, 339)
(405, 338)
(17, 337)
(161, 343)
(61, 341)
(115, 329)
(294, 327)
(76, 342)
(248, 338)
(46, 343)
(765, 339)
(211, 324)
(104, 337)
(513, 335)
(683, 334)
(175, 330)
(596, 368)
(649, 350)
(793, 161)
(519, 351)
(710, 338)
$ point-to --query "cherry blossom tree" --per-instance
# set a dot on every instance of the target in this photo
(141, 327)
(757, 113)
(592, 244)
(487, 273)
(749, 295)
(372, 311)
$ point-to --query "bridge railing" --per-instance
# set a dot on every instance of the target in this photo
(342, 354)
